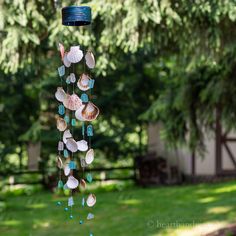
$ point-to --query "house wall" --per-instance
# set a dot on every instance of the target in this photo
(182, 157)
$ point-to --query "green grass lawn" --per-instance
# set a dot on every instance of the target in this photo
(180, 210)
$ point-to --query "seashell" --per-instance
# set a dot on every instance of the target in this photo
(60, 94)
(72, 78)
(70, 201)
(71, 145)
(72, 182)
(60, 146)
(90, 216)
(66, 135)
(66, 170)
(75, 54)
(72, 102)
(82, 162)
(59, 162)
(83, 82)
(89, 156)
(90, 60)
(82, 145)
(82, 184)
(78, 113)
(90, 112)
(66, 62)
(61, 124)
(62, 50)
(91, 200)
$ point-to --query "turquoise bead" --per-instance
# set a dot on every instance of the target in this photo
(84, 97)
(83, 202)
(91, 83)
(71, 217)
(73, 122)
(72, 165)
(65, 153)
(66, 208)
(61, 110)
(81, 222)
(68, 80)
(67, 119)
(61, 70)
(90, 234)
(60, 184)
(89, 178)
(89, 130)
(59, 203)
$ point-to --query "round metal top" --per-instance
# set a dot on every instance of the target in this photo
(76, 15)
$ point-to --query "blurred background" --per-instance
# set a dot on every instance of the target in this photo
(165, 140)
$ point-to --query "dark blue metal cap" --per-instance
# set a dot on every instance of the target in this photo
(76, 15)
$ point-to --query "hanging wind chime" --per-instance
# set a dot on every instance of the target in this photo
(76, 108)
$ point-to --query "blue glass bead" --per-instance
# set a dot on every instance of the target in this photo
(72, 165)
(60, 184)
(67, 119)
(90, 234)
(61, 70)
(91, 83)
(65, 153)
(68, 80)
(84, 97)
(89, 130)
(89, 178)
(71, 217)
(66, 209)
(61, 110)
(81, 222)
(83, 202)
(59, 203)
(73, 122)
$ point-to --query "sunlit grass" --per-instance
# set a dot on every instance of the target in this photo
(180, 210)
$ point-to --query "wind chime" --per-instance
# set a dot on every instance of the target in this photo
(76, 108)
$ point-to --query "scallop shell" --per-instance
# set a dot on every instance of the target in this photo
(61, 124)
(82, 184)
(66, 170)
(71, 145)
(89, 156)
(66, 62)
(90, 112)
(83, 82)
(72, 182)
(75, 54)
(82, 145)
(90, 60)
(59, 162)
(60, 94)
(72, 102)
(78, 113)
(62, 50)
(91, 200)
(66, 135)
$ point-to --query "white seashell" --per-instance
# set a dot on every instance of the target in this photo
(90, 216)
(60, 146)
(89, 156)
(59, 162)
(60, 94)
(82, 145)
(66, 62)
(70, 201)
(72, 182)
(66, 170)
(90, 60)
(72, 102)
(75, 54)
(71, 145)
(83, 82)
(72, 78)
(90, 112)
(66, 135)
(61, 124)
(78, 113)
(91, 200)
(82, 184)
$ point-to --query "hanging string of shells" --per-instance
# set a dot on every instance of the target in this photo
(75, 108)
